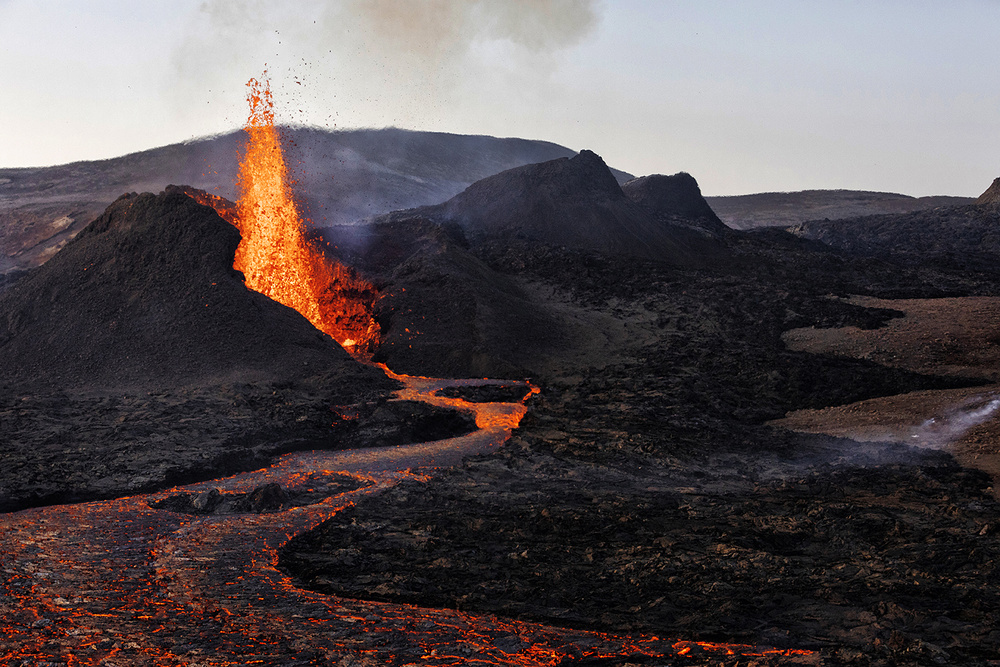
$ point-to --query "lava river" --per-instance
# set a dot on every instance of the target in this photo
(119, 583)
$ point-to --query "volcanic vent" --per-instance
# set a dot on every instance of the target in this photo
(147, 295)
(274, 255)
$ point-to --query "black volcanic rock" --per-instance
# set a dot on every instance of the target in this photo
(136, 359)
(992, 194)
(342, 176)
(574, 202)
(146, 295)
(443, 311)
(955, 237)
(675, 199)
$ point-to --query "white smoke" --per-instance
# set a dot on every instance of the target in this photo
(940, 431)
(374, 62)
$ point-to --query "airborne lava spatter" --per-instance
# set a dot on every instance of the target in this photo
(275, 256)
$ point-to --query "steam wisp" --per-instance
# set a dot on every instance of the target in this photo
(939, 432)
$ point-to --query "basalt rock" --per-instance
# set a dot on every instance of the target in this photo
(784, 209)
(263, 499)
(676, 199)
(136, 359)
(954, 237)
(442, 310)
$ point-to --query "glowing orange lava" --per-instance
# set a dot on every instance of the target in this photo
(275, 256)
(119, 582)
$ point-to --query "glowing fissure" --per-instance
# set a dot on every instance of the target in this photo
(275, 256)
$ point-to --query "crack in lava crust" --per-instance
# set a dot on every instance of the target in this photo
(118, 583)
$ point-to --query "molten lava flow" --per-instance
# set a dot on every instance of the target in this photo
(122, 582)
(275, 256)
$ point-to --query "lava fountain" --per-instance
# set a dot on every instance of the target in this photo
(275, 256)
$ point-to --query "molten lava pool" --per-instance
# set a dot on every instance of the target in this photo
(119, 583)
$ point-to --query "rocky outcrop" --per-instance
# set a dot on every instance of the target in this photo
(574, 202)
(442, 311)
(675, 199)
(992, 194)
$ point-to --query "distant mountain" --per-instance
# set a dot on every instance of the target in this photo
(578, 203)
(343, 176)
(784, 209)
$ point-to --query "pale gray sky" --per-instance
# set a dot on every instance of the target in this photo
(775, 95)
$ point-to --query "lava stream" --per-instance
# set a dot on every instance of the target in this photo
(120, 583)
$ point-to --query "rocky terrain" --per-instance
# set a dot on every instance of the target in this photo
(575, 202)
(649, 490)
(785, 209)
(136, 358)
(446, 310)
(957, 237)
(646, 492)
(991, 195)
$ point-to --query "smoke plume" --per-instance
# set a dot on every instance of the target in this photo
(376, 62)
(938, 432)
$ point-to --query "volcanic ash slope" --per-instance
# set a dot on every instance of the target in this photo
(574, 202)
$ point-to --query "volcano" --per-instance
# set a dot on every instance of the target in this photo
(146, 296)
(344, 176)
(654, 489)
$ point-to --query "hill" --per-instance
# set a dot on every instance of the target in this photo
(784, 209)
(147, 295)
(578, 203)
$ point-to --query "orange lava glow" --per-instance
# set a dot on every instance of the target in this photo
(492, 417)
(275, 256)
(121, 583)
